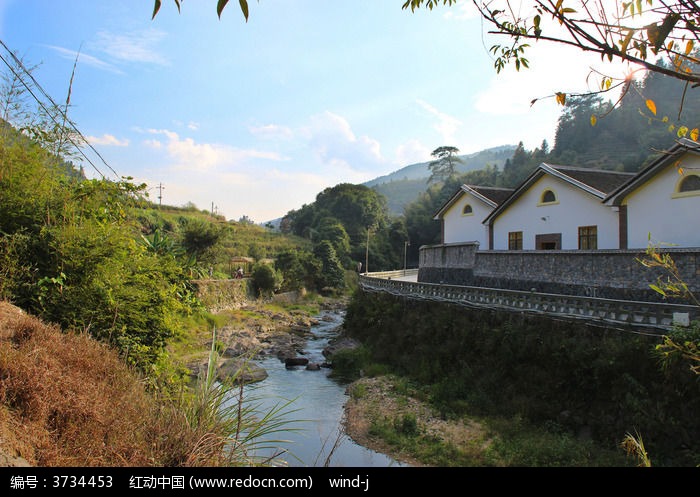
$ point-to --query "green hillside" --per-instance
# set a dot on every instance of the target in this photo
(404, 186)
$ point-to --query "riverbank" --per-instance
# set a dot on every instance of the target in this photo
(381, 410)
(256, 329)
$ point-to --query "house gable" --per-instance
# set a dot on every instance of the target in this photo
(461, 216)
(556, 206)
(662, 201)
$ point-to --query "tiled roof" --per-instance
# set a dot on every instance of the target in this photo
(599, 179)
(617, 196)
(496, 195)
(490, 193)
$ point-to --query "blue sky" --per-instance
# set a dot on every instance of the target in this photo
(256, 118)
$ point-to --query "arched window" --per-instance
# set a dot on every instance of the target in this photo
(690, 183)
(548, 197)
(467, 210)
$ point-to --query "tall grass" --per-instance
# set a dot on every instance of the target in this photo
(237, 430)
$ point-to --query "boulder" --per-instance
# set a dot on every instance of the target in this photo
(290, 362)
(241, 369)
(343, 343)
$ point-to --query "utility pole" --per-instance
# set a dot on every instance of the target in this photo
(406, 244)
(367, 253)
(160, 193)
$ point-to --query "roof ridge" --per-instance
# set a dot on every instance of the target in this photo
(591, 169)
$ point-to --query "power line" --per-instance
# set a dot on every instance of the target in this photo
(57, 109)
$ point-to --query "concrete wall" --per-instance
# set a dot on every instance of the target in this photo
(460, 228)
(573, 208)
(658, 210)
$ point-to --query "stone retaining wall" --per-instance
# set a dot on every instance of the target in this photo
(614, 274)
(217, 295)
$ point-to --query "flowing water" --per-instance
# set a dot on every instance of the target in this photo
(315, 414)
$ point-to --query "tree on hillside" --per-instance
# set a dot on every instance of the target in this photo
(445, 164)
(332, 273)
(518, 167)
(421, 228)
(333, 231)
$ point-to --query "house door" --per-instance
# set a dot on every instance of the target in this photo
(550, 241)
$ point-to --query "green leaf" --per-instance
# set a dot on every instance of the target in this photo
(156, 8)
(220, 5)
(536, 23)
(244, 8)
(657, 289)
(626, 41)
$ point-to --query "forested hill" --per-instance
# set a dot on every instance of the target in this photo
(405, 185)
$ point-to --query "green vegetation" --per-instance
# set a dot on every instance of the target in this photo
(348, 224)
(565, 378)
(120, 276)
(99, 261)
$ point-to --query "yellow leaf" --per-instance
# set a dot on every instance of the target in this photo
(682, 131)
(689, 47)
(680, 171)
(651, 106)
(593, 120)
(694, 134)
(561, 98)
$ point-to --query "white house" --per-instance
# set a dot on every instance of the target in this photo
(462, 215)
(662, 201)
(558, 208)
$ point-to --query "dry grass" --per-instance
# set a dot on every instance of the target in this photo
(67, 400)
(376, 400)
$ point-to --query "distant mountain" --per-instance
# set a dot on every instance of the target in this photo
(405, 185)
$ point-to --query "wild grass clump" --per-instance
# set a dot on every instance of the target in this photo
(237, 431)
(73, 402)
(517, 443)
(403, 433)
(68, 400)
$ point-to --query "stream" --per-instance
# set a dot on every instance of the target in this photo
(313, 435)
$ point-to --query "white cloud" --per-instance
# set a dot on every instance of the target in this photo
(446, 125)
(156, 144)
(412, 152)
(332, 140)
(552, 69)
(272, 131)
(107, 140)
(138, 46)
(84, 58)
(462, 10)
(188, 154)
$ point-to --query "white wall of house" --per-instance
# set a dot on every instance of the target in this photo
(573, 208)
(459, 227)
(658, 209)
